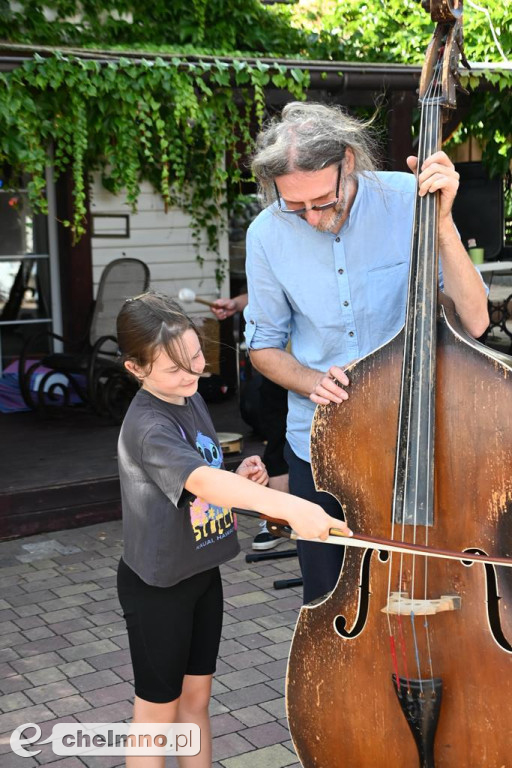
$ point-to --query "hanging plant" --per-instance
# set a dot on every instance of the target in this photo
(169, 121)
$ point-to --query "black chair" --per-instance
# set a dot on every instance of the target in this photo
(92, 372)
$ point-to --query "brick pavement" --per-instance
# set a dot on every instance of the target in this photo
(64, 657)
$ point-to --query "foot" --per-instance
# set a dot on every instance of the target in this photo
(265, 540)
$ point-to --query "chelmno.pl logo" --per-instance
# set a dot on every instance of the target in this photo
(109, 739)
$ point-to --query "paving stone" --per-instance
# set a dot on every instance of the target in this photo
(12, 640)
(29, 622)
(216, 708)
(68, 601)
(21, 598)
(63, 614)
(240, 588)
(248, 659)
(76, 668)
(80, 637)
(51, 691)
(276, 756)
(38, 633)
(110, 660)
(278, 634)
(105, 617)
(276, 707)
(253, 611)
(229, 744)
(253, 694)
(125, 671)
(255, 641)
(253, 715)
(29, 610)
(250, 598)
(40, 661)
(225, 723)
(110, 761)
(121, 640)
(110, 630)
(95, 680)
(267, 734)
(33, 586)
(43, 676)
(70, 705)
(277, 650)
(236, 576)
(38, 647)
(242, 678)
(66, 762)
(286, 618)
(218, 687)
(87, 650)
(13, 683)
(102, 595)
(240, 629)
(75, 589)
(7, 627)
(278, 685)
(71, 625)
(114, 693)
(105, 605)
(37, 714)
(13, 701)
(112, 713)
(274, 669)
(229, 647)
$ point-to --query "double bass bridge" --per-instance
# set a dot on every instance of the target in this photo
(400, 604)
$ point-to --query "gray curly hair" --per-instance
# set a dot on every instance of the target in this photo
(309, 137)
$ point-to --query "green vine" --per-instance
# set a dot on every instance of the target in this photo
(170, 121)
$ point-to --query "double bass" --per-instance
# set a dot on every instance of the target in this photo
(408, 661)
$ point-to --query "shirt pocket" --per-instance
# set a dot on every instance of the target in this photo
(387, 296)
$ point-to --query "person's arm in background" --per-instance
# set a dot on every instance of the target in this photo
(223, 308)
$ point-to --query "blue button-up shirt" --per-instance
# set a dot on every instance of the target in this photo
(336, 297)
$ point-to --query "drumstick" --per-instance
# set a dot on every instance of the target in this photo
(187, 295)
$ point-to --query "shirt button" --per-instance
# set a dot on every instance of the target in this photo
(340, 271)
(337, 240)
(345, 303)
(251, 322)
(351, 333)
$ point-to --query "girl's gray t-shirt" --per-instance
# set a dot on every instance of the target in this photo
(170, 535)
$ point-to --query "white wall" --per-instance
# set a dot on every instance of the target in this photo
(163, 241)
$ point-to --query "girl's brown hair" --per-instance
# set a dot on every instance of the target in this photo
(150, 323)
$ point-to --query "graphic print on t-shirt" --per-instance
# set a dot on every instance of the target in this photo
(209, 522)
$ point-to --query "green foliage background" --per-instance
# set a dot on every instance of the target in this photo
(172, 120)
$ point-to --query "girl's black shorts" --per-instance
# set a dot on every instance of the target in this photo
(172, 631)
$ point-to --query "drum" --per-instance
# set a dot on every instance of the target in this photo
(231, 442)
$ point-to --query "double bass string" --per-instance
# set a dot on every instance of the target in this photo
(434, 121)
(429, 282)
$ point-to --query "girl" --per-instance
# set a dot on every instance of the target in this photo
(177, 523)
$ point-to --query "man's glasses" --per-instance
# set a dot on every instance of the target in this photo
(322, 207)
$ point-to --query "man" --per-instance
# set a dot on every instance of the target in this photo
(327, 268)
(273, 406)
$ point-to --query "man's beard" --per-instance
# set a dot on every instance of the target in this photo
(333, 218)
(333, 221)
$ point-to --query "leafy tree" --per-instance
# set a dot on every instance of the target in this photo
(206, 25)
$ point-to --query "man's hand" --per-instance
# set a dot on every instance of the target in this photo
(327, 390)
(437, 174)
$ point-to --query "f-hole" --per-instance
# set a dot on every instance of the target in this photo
(493, 598)
(340, 622)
